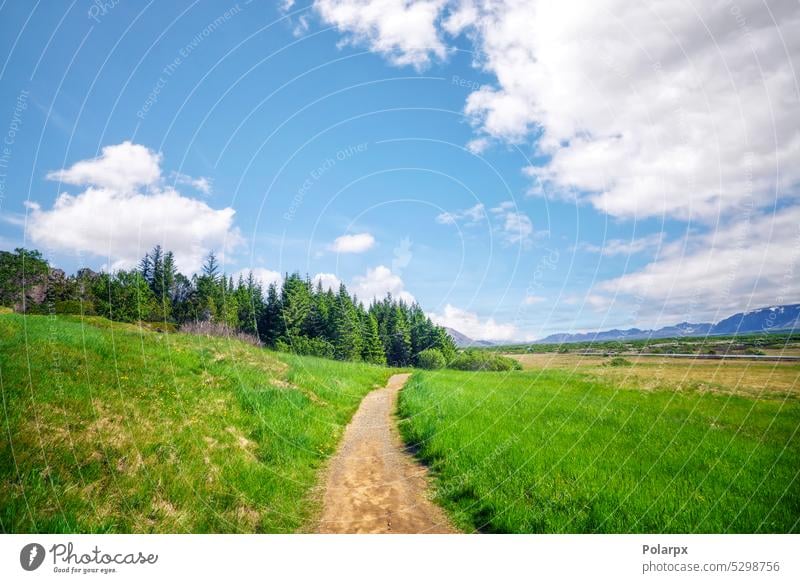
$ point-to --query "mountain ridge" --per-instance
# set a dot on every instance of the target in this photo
(770, 319)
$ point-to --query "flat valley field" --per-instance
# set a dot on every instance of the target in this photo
(573, 445)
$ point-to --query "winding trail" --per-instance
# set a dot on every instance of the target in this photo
(373, 485)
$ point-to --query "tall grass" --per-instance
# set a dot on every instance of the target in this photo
(557, 452)
(108, 427)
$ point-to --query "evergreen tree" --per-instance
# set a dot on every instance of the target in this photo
(295, 306)
(399, 353)
(347, 328)
(270, 326)
(146, 267)
(211, 266)
(372, 350)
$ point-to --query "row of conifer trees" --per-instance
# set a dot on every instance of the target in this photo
(295, 315)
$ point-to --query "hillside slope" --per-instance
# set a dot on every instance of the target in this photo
(112, 428)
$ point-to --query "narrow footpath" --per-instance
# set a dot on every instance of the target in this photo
(373, 485)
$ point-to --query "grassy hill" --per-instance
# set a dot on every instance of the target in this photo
(113, 427)
(557, 451)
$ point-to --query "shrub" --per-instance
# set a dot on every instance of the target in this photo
(430, 359)
(618, 361)
(306, 346)
(754, 351)
(483, 360)
(74, 307)
(213, 328)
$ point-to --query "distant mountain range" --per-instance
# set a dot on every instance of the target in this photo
(464, 341)
(769, 319)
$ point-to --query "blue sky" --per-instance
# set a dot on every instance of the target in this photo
(509, 185)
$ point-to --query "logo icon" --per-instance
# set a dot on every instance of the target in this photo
(31, 556)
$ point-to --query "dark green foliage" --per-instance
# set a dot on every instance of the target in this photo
(372, 350)
(23, 274)
(430, 359)
(347, 339)
(618, 361)
(399, 336)
(295, 316)
(124, 296)
(483, 360)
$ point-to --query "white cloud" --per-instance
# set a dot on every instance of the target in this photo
(750, 264)
(262, 275)
(202, 184)
(515, 226)
(624, 246)
(403, 30)
(470, 324)
(471, 216)
(352, 243)
(328, 280)
(122, 168)
(478, 145)
(682, 109)
(687, 110)
(377, 282)
(114, 218)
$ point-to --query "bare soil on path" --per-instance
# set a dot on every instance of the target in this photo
(373, 485)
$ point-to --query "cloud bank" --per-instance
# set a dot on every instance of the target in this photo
(125, 209)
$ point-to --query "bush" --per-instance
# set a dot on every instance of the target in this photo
(74, 307)
(483, 360)
(618, 361)
(306, 346)
(213, 328)
(431, 359)
(754, 351)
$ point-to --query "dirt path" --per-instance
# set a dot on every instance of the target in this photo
(373, 485)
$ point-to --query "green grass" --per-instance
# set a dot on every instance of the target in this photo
(555, 451)
(112, 428)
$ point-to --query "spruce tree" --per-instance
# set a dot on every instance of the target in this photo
(373, 347)
(347, 328)
(399, 353)
(270, 326)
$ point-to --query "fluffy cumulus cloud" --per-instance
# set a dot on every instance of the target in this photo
(357, 243)
(377, 282)
(405, 31)
(125, 209)
(753, 261)
(643, 109)
(122, 168)
(472, 325)
(683, 109)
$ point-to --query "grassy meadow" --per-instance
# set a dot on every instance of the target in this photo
(582, 448)
(112, 427)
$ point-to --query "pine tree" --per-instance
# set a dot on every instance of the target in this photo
(373, 347)
(270, 326)
(146, 268)
(211, 266)
(347, 340)
(295, 305)
(399, 353)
